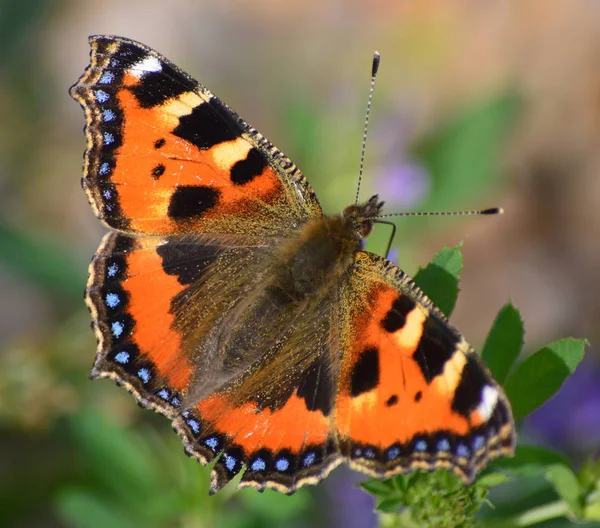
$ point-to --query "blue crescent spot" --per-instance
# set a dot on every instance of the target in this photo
(369, 453)
(108, 138)
(175, 401)
(104, 169)
(393, 452)
(108, 115)
(309, 459)
(463, 451)
(230, 462)
(443, 445)
(101, 96)
(478, 442)
(164, 394)
(107, 195)
(282, 464)
(112, 270)
(144, 375)
(421, 445)
(258, 465)
(107, 78)
(112, 300)
(117, 329)
(195, 426)
(211, 442)
(122, 357)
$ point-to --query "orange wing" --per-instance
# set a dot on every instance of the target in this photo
(166, 156)
(413, 394)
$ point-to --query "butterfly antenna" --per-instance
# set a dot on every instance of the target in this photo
(374, 68)
(491, 211)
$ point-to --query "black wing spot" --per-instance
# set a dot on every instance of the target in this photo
(468, 392)
(392, 400)
(159, 143)
(317, 389)
(395, 319)
(418, 396)
(155, 88)
(365, 375)
(246, 170)
(190, 201)
(188, 262)
(437, 345)
(158, 171)
(208, 125)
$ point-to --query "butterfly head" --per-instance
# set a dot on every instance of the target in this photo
(360, 217)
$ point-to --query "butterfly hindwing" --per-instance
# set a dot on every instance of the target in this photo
(276, 416)
(413, 393)
(154, 132)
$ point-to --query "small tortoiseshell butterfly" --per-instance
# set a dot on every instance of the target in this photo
(224, 299)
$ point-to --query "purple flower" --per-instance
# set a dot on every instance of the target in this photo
(571, 419)
(349, 506)
(403, 185)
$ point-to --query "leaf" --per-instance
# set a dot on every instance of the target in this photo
(379, 488)
(504, 342)
(462, 156)
(567, 486)
(439, 280)
(390, 505)
(539, 377)
(491, 480)
(530, 460)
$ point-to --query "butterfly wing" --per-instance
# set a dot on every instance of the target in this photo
(412, 393)
(276, 416)
(165, 156)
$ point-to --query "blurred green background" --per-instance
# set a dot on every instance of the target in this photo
(477, 104)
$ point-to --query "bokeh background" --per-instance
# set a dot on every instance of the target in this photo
(477, 104)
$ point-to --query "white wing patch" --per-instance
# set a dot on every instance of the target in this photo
(489, 399)
(148, 64)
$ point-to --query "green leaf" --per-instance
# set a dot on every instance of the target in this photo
(379, 488)
(491, 480)
(530, 460)
(439, 280)
(390, 505)
(539, 377)
(567, 486)
(462, 157)
(504, 342)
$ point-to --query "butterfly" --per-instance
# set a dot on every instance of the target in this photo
(224, 299)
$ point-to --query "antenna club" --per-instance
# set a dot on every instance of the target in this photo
(493, 211)
(376, 60)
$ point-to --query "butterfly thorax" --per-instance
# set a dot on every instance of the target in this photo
(324, 249)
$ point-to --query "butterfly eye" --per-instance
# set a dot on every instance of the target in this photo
(366, 227)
